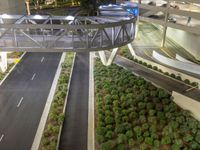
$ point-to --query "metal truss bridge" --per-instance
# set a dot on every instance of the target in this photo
(64, 33)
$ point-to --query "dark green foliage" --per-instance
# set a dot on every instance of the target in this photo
(129, 134)
(121, 139)
(120, 147)
(134, 114)
(179, 78)
(155, 68)
(109, 135)
(148, 140)
(166, 140)
(108, 145)
(173, 75)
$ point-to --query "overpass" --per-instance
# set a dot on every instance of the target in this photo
(36, 33)
(64, 33)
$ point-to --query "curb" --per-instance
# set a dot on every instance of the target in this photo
(42, 123)
(91, 115)
(65, 104)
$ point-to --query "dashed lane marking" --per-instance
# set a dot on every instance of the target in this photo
(18, 105)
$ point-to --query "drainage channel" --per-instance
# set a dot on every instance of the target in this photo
(75, 127)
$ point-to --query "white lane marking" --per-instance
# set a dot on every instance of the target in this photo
(20, 102)
(1, 138)
(33, 76)
(42, 59)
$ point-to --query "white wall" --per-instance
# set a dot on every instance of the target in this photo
(189, 67)
(190, 41)
(187, 104)
(12, 6)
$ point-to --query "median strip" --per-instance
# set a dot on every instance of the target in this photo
(56, 116)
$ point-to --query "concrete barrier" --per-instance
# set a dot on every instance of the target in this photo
(180, 58)
(187, 103)
(193, 68)
(163, 68)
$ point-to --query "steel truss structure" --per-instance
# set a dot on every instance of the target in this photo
(64, 33)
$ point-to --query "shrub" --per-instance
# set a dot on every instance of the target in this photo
(121, 139)
(142, 119)
(131, 142)
(129, 134)
(146, 134)
(120, 147)
(152, 112)
(148, 140)
(159, 107)
(100, 138)
(160, 70)
(179, 78)
(194, 84)
(149, 106)
(109, 120)
(194, 145)
(156, 143)
(137, 130)
(166, 73)
(140, 139)
(141, 105)
(145, 126)
(144, 63)
(162, 94)
(108, 145)
(149, 66)
(133, 115)
(166, 140)
(143, 146)
(120, 129)
(109, 135)
(173, 75)
(101, 130)
(155, 68)
(187, 81)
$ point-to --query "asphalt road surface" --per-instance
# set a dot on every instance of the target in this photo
(23, 96)
(74, 132)
(157, 78)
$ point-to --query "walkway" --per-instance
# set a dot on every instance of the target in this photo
(74, 132)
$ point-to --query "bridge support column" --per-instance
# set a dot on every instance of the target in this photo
(112, 56)
(3, 62)
(130, 47)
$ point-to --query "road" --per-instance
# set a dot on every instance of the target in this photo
(161, 80)
(22, 99)
(74, 132)
(149, 39)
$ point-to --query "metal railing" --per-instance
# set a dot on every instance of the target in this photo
(64, 33)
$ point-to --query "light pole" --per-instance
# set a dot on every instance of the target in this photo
(165, 24)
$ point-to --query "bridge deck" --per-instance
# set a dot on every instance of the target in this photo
(64, 33)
